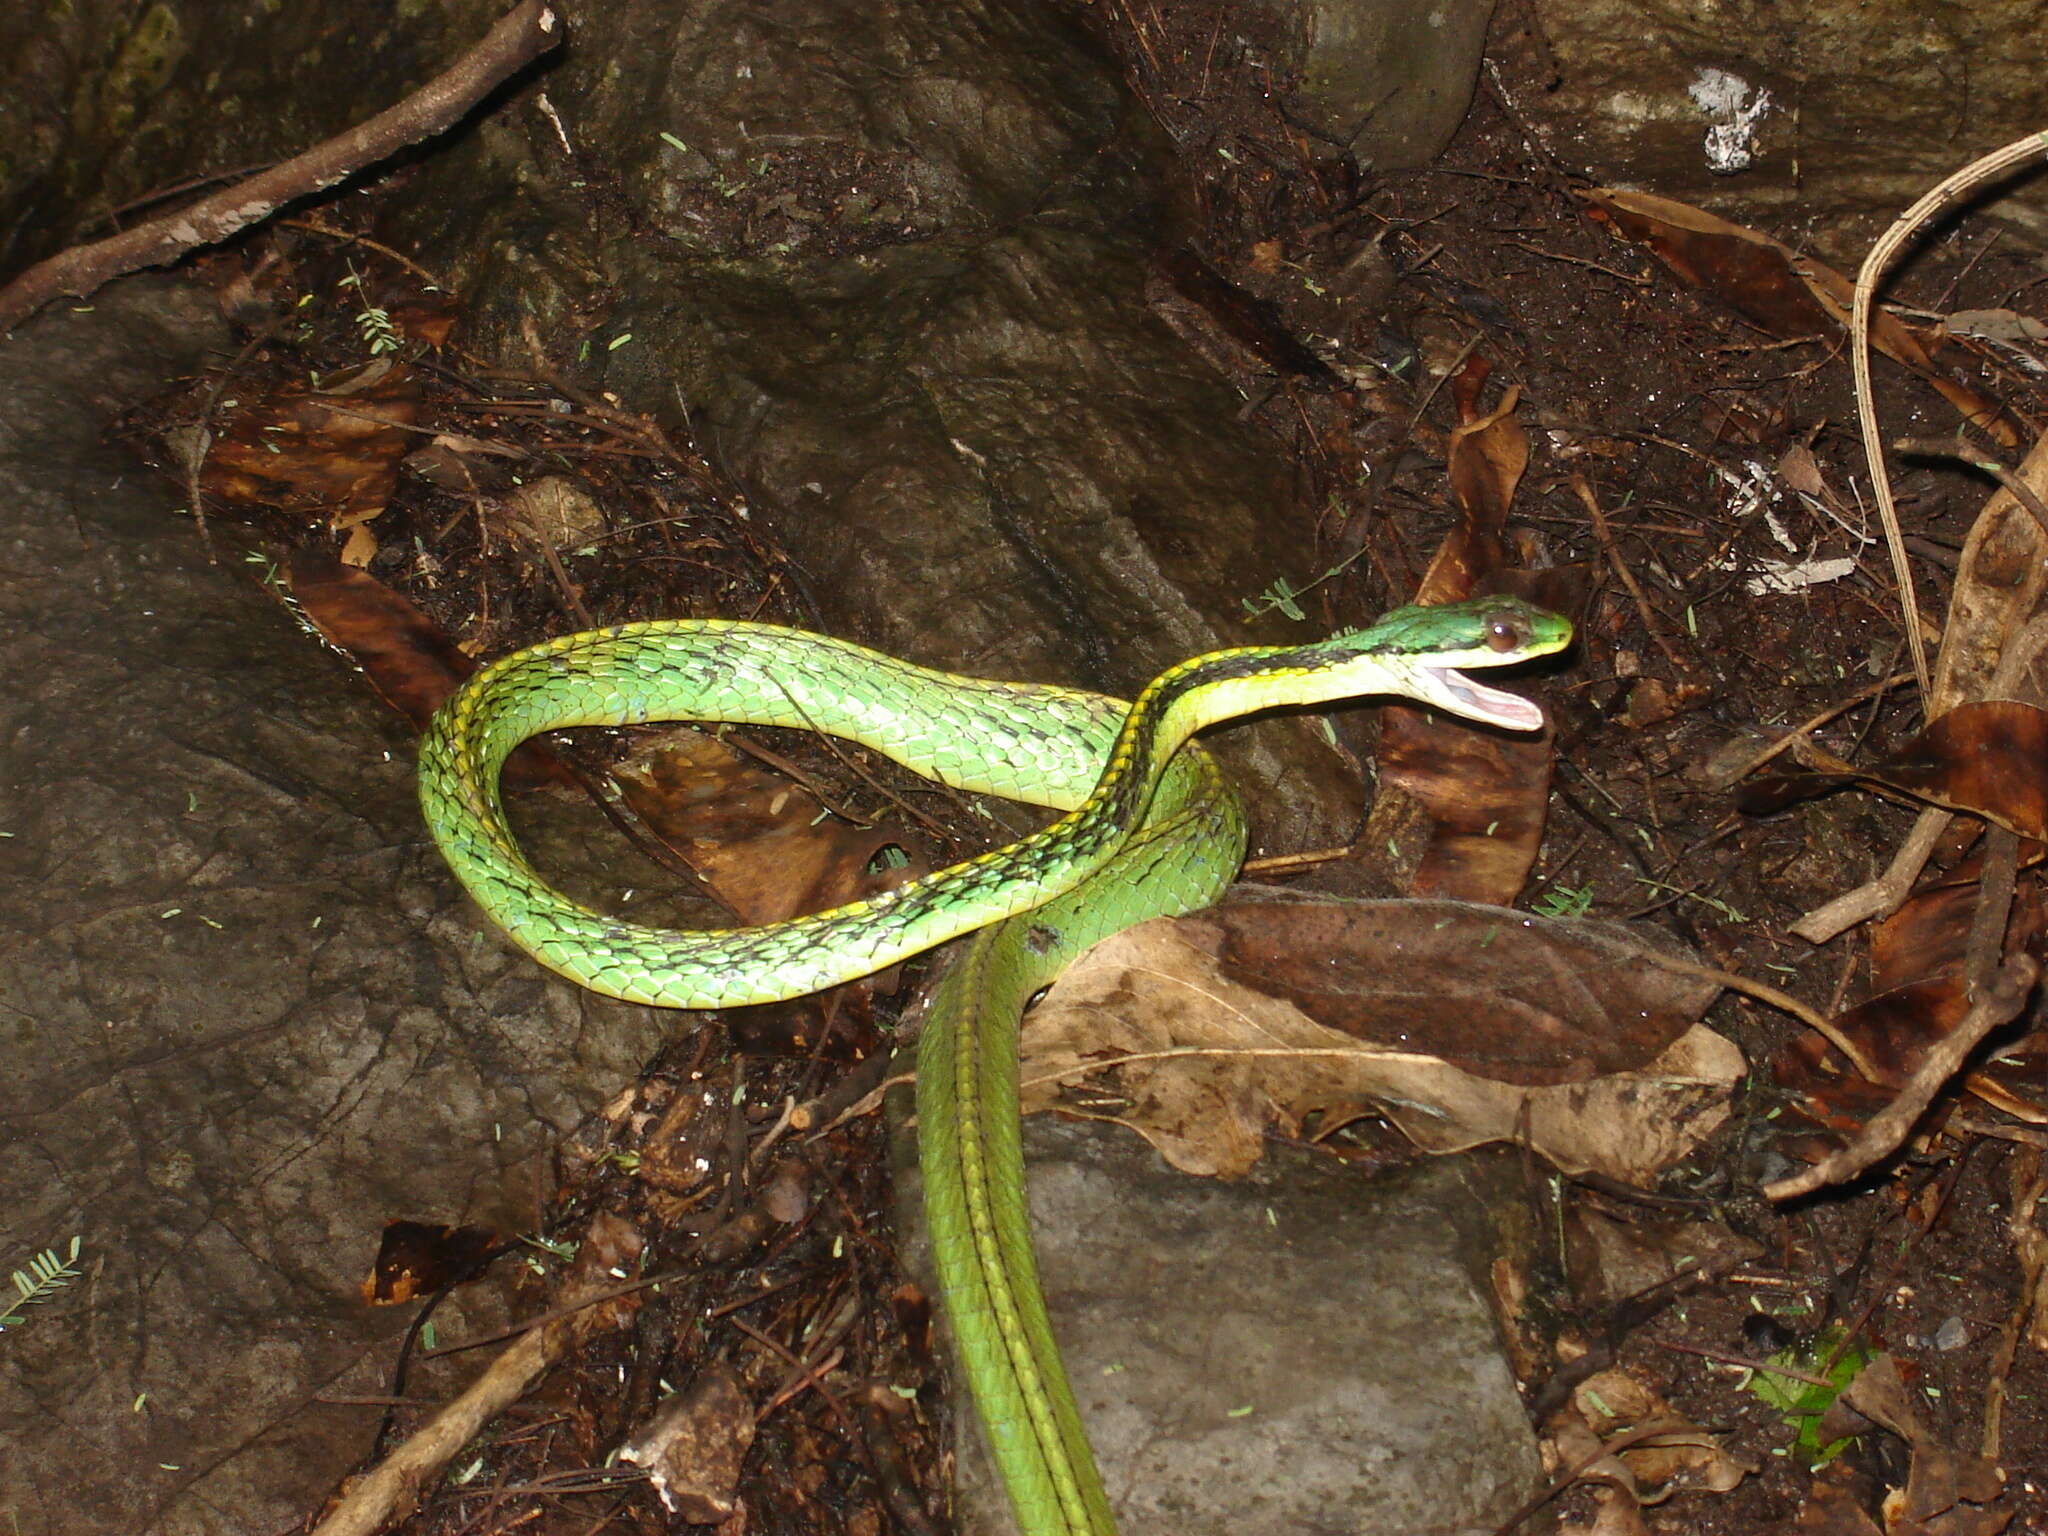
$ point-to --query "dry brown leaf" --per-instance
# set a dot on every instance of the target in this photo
(763, 845)
(1208, 1062)
(1941, 1482)
(417, 1258)
(1665, 1454)
(463, 465)
(1476, 798)
(360, 547)
(766, 848)
(1466, 805)
(1617, 1514)
(612, 1247)
(1920, 995)
(694, 1445)
(1832, 1509)
(1486, 455)
(1500, 994)
(554, 511)
(408, 658)
(316, 451)
(1989, 759)
(1568, 1444)
(1610, 1258)
(1784, 291)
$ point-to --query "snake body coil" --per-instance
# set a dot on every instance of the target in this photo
(1150, 829)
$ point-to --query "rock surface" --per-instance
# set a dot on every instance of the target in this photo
(249, 1017)
(886, 263)
(1872, 102)
(1388, 80)
(1307, 1350)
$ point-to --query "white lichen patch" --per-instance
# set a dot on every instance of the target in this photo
(1733, 109)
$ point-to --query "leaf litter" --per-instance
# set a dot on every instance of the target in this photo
(1462, 1024)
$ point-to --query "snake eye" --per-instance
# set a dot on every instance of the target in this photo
(1504, 633)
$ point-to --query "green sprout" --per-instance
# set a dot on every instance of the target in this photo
(45, 1275)
(1803, 1402)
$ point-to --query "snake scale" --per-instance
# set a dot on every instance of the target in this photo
(1150, 828)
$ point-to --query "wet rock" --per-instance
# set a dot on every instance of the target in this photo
(1387, 79)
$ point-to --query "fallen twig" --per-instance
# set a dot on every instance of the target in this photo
(2029, 1188)
(1605, 535)
(1883, 894)
(1976, 174)
(391, 1489)
(529, 31)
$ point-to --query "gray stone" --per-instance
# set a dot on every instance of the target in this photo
(248, 1015)
(1388, 80)
(1306, 1351)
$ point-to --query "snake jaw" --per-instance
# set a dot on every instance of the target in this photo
(1452, 690)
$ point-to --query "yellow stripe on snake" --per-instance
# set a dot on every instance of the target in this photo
(1150, 829)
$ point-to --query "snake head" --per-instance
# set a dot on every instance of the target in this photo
(1433, 647)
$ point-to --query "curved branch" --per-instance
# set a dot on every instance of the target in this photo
(530, 30)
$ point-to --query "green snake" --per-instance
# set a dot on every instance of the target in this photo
(1150, 829)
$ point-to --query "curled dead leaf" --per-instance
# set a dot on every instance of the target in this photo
(1946, 1489)
(1205, 1062)
(1783, 291)
(1662, 1451)
(555, 511)
(1989, 759)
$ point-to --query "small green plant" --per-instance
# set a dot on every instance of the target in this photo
(554, 1247)
(45, 1275)
(379, 334)
(1803, 1402)
(1564, 901)
(1721, 909)
(1280, 595)
(1284, 594)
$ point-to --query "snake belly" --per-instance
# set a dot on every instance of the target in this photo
(1150, 829)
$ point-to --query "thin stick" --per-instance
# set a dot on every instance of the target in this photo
(1960, 447)
(315, 227)
(1909, 223)
(1764, 992)
(1885, 892)
(1762, 1367)
(1807, 727)
(1628, 577)
(2030, 1187)
(529, 31)
(391, 1489)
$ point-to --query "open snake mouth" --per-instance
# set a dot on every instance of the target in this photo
(1453, 690)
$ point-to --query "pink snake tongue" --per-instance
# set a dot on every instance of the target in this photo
(1493, 704)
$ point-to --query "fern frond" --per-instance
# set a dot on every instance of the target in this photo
(45, 1275)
